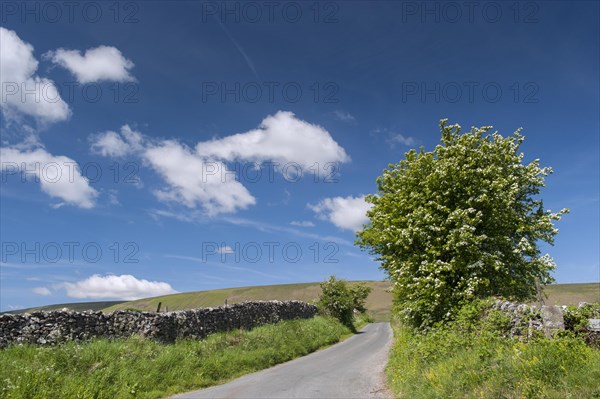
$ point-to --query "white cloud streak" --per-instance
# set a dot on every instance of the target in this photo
(41, 291)
(303, 223)
(344, 116)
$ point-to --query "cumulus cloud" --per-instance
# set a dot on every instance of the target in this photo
(280, 138)
(192, 180)
(22, 91)
(58, 175)
(348, 213)
(113, 144)
(123, 287)
(96, 64)
(41, 291)
(200, 176)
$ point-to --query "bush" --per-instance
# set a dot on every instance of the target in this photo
(340, 301)
(577, 321)
(577, 318)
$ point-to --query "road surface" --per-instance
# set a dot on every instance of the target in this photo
(351, 369)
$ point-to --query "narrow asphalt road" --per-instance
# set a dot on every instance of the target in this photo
(351, 369)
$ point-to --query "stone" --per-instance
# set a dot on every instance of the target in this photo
(594, 324)
(553, 320)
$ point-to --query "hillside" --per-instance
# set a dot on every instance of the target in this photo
(572, 294)
(77, 306)
(378, 303)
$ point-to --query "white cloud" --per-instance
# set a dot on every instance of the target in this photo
(113, 144)
(110, 144)
(344, 116)
(226, 249)
(113, 199)
(201, 177)
(281, 138)
(41, 291)
(58, 175)
(348, 213)
(401, 139)
(393, 139)
(303, 223)
(124, 287)
(193, 180)
(23, 92)
(97, 64)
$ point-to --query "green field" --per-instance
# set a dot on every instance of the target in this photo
(572, 294)
(379, 302)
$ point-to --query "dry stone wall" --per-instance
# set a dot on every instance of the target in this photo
(61, 326)
(526, 319)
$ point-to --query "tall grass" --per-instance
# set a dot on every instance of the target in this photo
(138, 368)
(474, 361)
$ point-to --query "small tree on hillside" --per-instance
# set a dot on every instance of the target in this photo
(339, 300)
(460, 222)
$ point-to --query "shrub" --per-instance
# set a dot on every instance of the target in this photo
(340, 301)
(577, 321)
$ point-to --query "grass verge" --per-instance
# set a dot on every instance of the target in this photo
(138, 368)
(474, 361)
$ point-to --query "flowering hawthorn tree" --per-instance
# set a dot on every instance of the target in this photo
(460, 222)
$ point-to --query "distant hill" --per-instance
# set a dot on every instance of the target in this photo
(572, 294)
(379, 302)
(79, 306)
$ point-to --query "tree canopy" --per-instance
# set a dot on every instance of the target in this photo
(460, 222)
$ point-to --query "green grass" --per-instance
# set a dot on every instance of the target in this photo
(473, 361)
(138, 368)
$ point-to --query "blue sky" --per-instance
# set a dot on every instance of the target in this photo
(203, 145)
